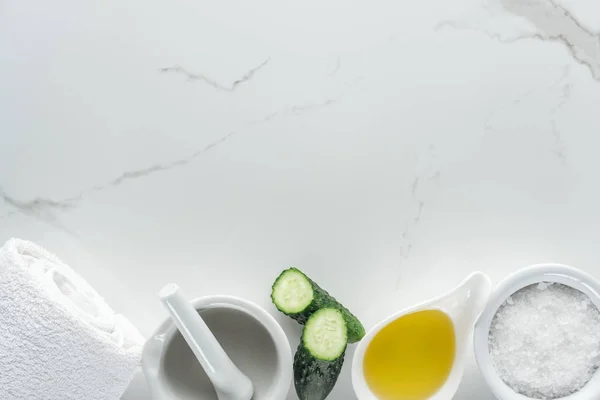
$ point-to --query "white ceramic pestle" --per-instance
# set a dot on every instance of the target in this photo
(229, 382)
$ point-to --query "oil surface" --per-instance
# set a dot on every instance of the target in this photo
(411, 358)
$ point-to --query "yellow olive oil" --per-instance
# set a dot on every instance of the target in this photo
(411, 357)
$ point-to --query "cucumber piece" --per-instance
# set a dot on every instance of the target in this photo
(320, 356)
(315, 379)
(299, 297)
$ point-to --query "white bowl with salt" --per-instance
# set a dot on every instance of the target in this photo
(539, 335)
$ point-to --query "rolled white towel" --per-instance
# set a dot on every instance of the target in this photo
(59, 340)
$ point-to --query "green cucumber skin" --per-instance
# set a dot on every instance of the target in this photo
(314, 379)
(322, 299)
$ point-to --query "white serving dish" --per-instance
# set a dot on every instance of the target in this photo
(462, 304)
(558, 273)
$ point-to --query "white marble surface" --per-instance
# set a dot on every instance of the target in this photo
(388, 148)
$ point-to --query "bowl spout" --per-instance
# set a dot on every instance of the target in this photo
(466, 301)
(463, 304)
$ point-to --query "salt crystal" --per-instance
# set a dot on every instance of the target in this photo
(545, 341)
(544, 285)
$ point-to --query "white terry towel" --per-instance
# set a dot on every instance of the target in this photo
(59, 340)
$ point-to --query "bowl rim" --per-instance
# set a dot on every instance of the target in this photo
(544, 272)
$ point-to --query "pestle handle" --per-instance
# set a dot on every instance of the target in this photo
(229, 382)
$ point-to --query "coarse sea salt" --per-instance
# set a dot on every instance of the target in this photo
(545, 340)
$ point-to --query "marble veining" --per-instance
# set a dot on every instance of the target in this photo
(553, 23)
(561, 90)
(560, 149)
(422, 187)
(48, 210)
(42, 209)
(199, 77)
(337, 67)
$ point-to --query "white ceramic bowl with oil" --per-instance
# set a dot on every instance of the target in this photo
(557, 273)
(462, 304)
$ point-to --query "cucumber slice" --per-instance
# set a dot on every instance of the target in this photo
(293, 293)
(325, 334)
(320, 355)
(297, 296)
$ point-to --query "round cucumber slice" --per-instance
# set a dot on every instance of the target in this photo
(292, 292)
(325, 334)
